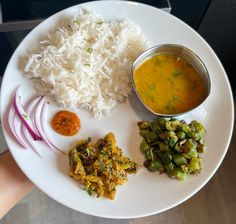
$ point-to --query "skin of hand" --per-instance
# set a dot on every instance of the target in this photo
(14, 184)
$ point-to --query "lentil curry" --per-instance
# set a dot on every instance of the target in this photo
(168, 84)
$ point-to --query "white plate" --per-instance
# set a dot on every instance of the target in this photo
(145, 193)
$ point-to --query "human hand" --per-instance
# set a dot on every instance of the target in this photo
(14, 184)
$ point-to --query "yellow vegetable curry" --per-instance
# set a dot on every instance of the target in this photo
(168, 84)
(100, 166)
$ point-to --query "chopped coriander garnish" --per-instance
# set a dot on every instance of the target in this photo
(87, 64)
(77, 22)
(104, 152)
(178, 74)
(25, 116)
(103, 167)
(87, 151)
(89, 191)
(99, 22)
(90, 50)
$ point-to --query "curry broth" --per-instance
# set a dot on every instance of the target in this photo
(168, 84)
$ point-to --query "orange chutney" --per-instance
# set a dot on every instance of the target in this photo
(168, 84)
(66, 123)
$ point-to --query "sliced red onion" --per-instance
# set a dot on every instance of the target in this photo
(43, 118)
(27, 125)
(39, 123)
(30, 140)
(30, 110)
(15, 126)
(24, 117)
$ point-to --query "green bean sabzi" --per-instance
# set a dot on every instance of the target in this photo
(172, 146)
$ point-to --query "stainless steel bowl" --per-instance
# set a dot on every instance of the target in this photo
(183, 52)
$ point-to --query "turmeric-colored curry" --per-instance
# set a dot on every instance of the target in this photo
(100, 166)
(168, 84)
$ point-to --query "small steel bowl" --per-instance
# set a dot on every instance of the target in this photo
(183, 52)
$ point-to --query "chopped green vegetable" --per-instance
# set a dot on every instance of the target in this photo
(143, 124)
(194, 165)
(179, 159)
(172, 146)
(179, 174)
(155, 165)
(149, 155)
(163, 147)
(144, 147)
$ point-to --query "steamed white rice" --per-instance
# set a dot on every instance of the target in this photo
(87, 63)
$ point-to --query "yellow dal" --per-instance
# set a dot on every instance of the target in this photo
(168, 84)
